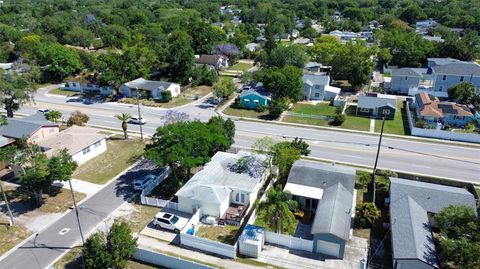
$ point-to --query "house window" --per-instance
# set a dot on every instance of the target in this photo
(363, 109)
(317, 94)
(98, 144)
(440, 88)
(35, 137)
(462, 78)
(255, 101)
(386, 112)
(406, 77)
(444, 77)
(317, 86)
(246, 100)
(86, 151)
(74, 84)
(240, 198)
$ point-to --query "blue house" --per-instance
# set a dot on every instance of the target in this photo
(327, 192)
(448, 75)
(255, 97)
(404, 79)
(316, 87)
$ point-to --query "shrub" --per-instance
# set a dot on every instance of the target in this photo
(166, 96)
(78, 118)
(366, 214)
(339, 119)
(277, 107)
(421, 124)
(364, 179)
(261, 108)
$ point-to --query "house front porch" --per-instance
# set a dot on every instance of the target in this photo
(234, 214)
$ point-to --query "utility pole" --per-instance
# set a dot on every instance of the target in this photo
(78, 220)
(376, 159)
(139, 114)
(8, 205)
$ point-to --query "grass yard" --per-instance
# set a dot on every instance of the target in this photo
(344, 85)
(119, 156)
(11, 236)
(186, 96)
(387, 75)
(246, 113)
(302, 120)
(141, 216)
(57, 200)
(354, 122)
(399, 125)
(59, 91)
(322, 109)
(227, 234)
(225, 77)
(241, 67)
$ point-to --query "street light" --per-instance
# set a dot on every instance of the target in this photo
(376, 159)
(139, 114)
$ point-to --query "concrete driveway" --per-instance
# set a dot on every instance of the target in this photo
(160, 234)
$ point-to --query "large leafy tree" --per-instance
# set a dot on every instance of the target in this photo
(205, 37)
(276, 210)
(284, 155)
(224, 88)
(464, 93)
(294, 55)
(58, 61)
(285, 82)
(112, 250)
(184, 145)
(460, 241)
(366, 214)
(180, 56)
(15, 90)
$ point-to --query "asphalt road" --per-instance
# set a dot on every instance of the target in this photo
(51, 243)
(420, 157)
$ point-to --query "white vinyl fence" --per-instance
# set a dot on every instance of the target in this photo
(440, 134)
(156, 258)
(157, 181)
(203, 243)
(288, 241)
(145, 200)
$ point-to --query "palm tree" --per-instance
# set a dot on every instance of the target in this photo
(53, 115)
(124, 117)
(277, 209)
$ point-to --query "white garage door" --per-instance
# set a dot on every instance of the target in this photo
(328, 248)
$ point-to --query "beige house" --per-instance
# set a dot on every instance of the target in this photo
(34, 127)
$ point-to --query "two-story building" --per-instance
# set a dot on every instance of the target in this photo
(149, 88)
(436, 113)
(448, 75)
(405, 79)
(316, 87)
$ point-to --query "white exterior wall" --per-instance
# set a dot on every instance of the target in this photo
(411, 264)
(81, 158)
(174, 89)
(188, 205)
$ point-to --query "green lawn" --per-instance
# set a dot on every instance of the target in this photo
(246, 113)
(119, 156)
(303, 120)
(399, 125)
(186, 96)
(387, 75)
(227, 234)
(59, 91)
(354, 122)
(11, 236)
(241, 67)
(322, 109)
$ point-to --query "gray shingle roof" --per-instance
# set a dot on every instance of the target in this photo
(406, 71)
(149, 85)
(333, 213)
(316, 79)
(377, 100)
(410, 203)
(442, 61)
(24, 127)
(460, 68)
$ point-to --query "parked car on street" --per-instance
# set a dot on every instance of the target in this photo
(137, 120)
(43, 110)
(169, 221)
(141, 183)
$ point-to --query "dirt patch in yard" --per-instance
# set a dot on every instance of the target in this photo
(227, 234)
(11, 236)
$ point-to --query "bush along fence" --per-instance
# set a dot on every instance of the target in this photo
(440, 134)
(204, 244)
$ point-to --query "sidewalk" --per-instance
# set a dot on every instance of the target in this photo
(80, 186)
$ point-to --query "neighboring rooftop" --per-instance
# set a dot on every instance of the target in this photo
(410, 205)
(333, 213)
(209, 59)
(217, 178)
(316, 79)
(431, 106)
(375, 100)
(74, 139)
(406, 71)
(149, 85)
(23, 127)
(441, 61)
(458, 68)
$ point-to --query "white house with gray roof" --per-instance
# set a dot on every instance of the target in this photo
(149, 88)
(326, 191)
(316, 87)
(412, 205)
(223, 190)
